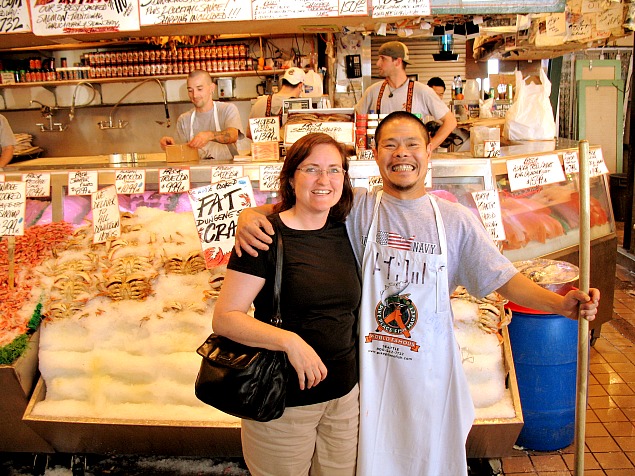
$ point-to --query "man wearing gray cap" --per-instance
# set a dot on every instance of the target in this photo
(399, 93)
(271, 104)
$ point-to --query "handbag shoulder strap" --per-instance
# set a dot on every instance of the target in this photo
(276, 319)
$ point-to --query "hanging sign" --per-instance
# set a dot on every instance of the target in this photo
(489, 208)
(226, 172)
(215, 208)
(173, 180)
(264, 129)
(534, 171)
(130, 181)
(82, 182)
(400, 8)
(12, 208)
(63, 17)
(161, 12)
(269, 178)
(37, 184)
(281, 9)
(14, 17)
(105, 206)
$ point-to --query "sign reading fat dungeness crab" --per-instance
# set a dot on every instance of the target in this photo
(215, 208)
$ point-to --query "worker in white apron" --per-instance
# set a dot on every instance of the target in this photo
(416, 409)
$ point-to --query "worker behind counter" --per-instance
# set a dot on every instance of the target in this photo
(212, 127)
(438, 86)
(271, 104)
(399, 93)
(7, 141)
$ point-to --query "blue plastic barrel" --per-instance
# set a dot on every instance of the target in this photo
(544, 347)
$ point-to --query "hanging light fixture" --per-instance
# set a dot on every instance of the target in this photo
(446, 43)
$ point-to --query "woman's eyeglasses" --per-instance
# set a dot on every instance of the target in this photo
(317, 172)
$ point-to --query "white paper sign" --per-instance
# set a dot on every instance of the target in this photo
(570, 161)
(281, 9)
(215, 208)
(375, 181)
(12, 208)
(227, 172)
(269, 177)
(265, 129)
(37, 184)
(427, 183)
(14, 16)
(83, 182)
(400, 8)
(63, 17)
(353, 7)
(534, 171)
(596, 163)
(489, 209)
(173, 180)
(106, 222)
(340, 131)
(130, 181)
(610, 18)
(155, 12)
(491, 148)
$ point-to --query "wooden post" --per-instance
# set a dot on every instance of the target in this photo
(582, 379)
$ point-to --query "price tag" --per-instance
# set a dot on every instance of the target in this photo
(82, 182)
(491, 148)
(130, 181)
(226, 172)
(534, 171)
(12, 208)
(264, 129)
(106, 222)
(596, 163)
(270, 177)
(173, 180)
(400, 8)
(215, 208)
(37, 184)
(570, 161)
(14, 17)
(489, 209)
(375, 181)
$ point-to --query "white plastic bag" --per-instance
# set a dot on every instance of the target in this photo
(312, 85)
(531, 115)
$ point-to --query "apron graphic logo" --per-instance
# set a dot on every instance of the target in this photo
(396, 316)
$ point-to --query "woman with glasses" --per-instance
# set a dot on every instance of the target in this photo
(321, 293)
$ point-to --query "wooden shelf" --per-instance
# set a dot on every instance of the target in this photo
(136, 79)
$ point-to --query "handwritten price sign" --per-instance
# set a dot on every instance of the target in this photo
(173, 180)
(130, 181)
(270, 177)
(12, 208)
(37, 185)
(227, 172)
(82, 182)
(534, 171)
(14, 16)
(489, 209)
(265, 129)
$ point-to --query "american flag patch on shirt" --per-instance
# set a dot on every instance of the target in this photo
(394, 240)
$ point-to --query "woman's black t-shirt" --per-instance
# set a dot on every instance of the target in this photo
(320, 297)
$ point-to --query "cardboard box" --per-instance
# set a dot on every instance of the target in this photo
(495, 437)
(181, 153)
(16, 382)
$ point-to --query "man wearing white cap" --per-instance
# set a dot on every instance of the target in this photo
(271, 104)
(399, 93)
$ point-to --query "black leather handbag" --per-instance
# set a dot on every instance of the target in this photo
(247, 382)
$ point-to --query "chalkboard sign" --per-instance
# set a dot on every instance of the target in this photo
(160, 12)
(59, 17)
(280, 9)
(14, 17)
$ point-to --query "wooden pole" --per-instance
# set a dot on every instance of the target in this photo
(11, 258)
(582, 379)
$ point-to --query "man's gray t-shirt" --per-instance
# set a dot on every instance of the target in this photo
(424, 100)
(473, 259)
(228, 116)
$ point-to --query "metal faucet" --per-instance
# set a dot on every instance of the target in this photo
(109, 124)
(71, 113)
(48, 112)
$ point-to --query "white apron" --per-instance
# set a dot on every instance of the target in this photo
(207, 150)
(416, 408)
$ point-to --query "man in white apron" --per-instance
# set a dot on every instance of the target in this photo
(416, 409)
(212, 127)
